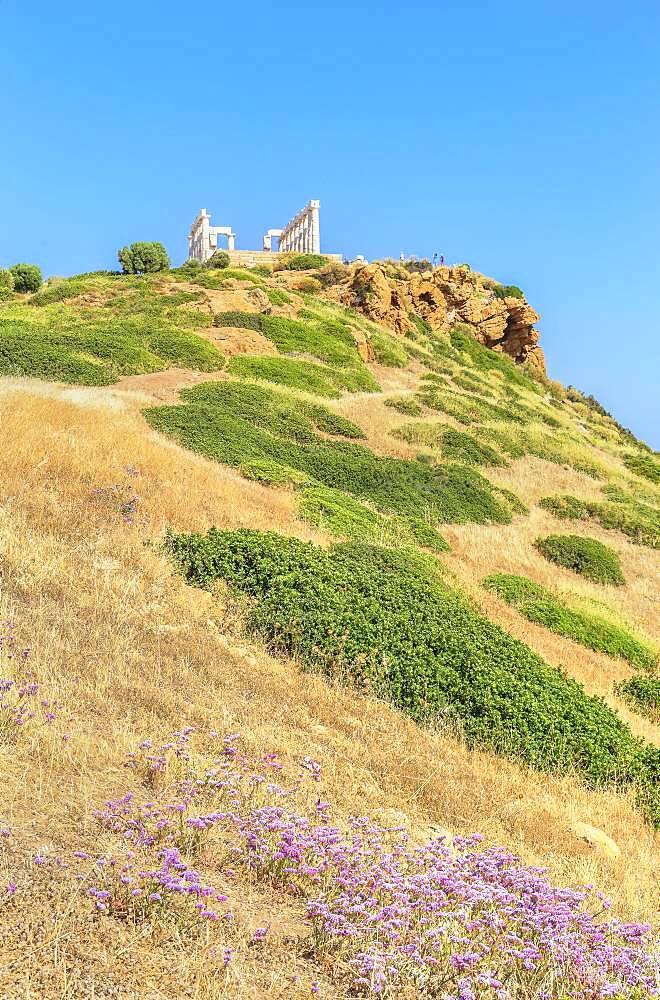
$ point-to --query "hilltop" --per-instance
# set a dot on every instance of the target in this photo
(302, 571)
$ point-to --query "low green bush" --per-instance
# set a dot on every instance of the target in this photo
(642, 694)
(321, 380)
(619, 512)
(277, 297)
(143, 258)
(508, 291)
(218, 260)
(586, 556)
(97, 346)
(6, 285)
(463, 447)
(305, 262)
(27, 277)
(388, 351)
(379, 619)
(58, 291)
(484, 359)
(237, 422)
(327, 340)
(273, 474)
(404, 404)
(647, 466)
(539, 605)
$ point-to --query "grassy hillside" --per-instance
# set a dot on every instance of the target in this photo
(266, 567)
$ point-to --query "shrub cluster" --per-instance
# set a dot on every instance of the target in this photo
(27, 277)
(219, 259)
(143, 258)
(586, 556)
(619, 511)
(304, 262)
(642, 694)
(236, 422)
(138, 331)
(328, 340)
(539, 605)
(645, 465)
(321, 380)
(508, 292)
(404, 404)
(376, 618)
(484, 359)
(6, 285)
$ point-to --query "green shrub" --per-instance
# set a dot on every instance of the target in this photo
(644, 465)
(464, 448)
(585, 556)
(426, 535)
(191, 267)
(273, 474)
(97, 346)
(539, 605)
(380, 620)
(277, 297)
(642, 694)
(237, 422)
(241, 320)
(418, 265)
(388, 351)
(618, 511)
(27, 277)
(143, 258)
(484, 359)
(508, 291)
(286, 371)
(219, 260)
(305, 262)
(58, 291)
(404, 404)
(6, 285)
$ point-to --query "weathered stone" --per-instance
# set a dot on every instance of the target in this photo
(442, 298)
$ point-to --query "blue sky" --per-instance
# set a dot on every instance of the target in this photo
(523, 138)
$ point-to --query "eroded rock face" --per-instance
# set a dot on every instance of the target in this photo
(444, 297)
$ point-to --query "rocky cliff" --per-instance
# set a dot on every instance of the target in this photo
(389, 294)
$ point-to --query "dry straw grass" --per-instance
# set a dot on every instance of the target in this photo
(132, 652)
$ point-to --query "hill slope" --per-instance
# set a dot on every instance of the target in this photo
(420, 661)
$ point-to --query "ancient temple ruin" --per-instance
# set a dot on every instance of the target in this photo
(301, 235)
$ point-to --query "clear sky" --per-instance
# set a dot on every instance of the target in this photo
(521, 137)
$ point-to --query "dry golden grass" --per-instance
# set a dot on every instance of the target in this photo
(132, 652)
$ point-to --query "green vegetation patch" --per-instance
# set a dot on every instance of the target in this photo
(388, 350)
(328, 340)
(59, 291)
(455, 445)
(405, 404)
(346, 517)
(620, 512)
(321, 380)
(378, 619)
(645, 465)
(305, 262)
(508, 292)
(238, 422)
(642, 694)
(586, 556)
(484, 359)
(539, 605)
(137, 331)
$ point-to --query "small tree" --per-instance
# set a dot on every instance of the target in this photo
(143, 258)
(6, 285)
(219, 259)
(27, 277)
